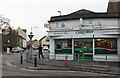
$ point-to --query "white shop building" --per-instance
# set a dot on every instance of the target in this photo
(86, 35)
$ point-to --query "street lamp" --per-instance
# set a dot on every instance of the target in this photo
(59, 12)
(31, 36)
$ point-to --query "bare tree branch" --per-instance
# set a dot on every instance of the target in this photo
(4, 23)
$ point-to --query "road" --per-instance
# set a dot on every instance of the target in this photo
(9, 70)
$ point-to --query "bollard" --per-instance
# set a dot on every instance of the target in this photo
(66, 57)
(106, 63)
(78, 57)
(21, 61)
(35, 60)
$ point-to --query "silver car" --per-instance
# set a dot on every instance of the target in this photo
(17, 49)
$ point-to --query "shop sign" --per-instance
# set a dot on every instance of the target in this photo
(111, 31)
(47, 26)
(63, 25)
(60, 33)
(84, 31)
(47, 39)
(57, 33)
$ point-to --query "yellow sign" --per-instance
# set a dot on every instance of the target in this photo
(47, 38)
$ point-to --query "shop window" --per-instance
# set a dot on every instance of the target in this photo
(78, 44)
(105, 46)
(63, 46)
(88, 44)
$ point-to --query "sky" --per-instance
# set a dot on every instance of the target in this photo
(29, 14)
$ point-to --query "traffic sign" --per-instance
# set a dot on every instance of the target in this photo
(30, 36)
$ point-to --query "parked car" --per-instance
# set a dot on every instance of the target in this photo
(17, 49)
(45, 48)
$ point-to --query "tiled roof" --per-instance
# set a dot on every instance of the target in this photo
(42, 38)
(112, 12)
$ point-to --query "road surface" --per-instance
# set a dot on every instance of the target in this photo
(9, 70)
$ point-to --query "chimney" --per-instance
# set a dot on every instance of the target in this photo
(113, 6)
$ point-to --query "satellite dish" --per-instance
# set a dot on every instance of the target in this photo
(81, 21)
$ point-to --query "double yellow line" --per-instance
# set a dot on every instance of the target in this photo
(9, 64)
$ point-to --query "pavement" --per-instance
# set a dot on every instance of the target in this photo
(88, 66)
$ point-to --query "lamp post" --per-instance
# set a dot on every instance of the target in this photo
(59, 12)
(31, 36)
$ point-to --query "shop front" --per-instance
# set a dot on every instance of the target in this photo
(85, 46)
(86, 35)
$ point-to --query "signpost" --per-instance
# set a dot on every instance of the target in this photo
(30, 36)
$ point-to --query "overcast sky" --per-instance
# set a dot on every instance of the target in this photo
(35, 13)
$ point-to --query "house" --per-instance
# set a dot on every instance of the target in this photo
(35, 44)
(23, 35)
(9, 38)
(86, 35)
(44, 41)
(12, 38)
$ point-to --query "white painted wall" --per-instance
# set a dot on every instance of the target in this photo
(52, 49)
(98, 22)
(119, 47)
(104, 22)
(62, 56)
(67, 23)
(103, 57)
(24, 43)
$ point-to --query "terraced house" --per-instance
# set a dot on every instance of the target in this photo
(86, 35)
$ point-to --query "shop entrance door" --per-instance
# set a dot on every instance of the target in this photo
(83, 49)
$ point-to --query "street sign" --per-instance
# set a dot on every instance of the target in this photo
(63, 25)
(30, 36)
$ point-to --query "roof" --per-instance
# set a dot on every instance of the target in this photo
(42, 38)
(24, 30)
(112, 12)
(113, 7)
(21, 33)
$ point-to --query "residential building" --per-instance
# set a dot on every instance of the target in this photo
(44, 41)
(12, 38)
(86, 35)
(22, 33)
(35, 44)
(9, 38)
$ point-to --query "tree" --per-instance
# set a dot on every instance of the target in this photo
(4, 23)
